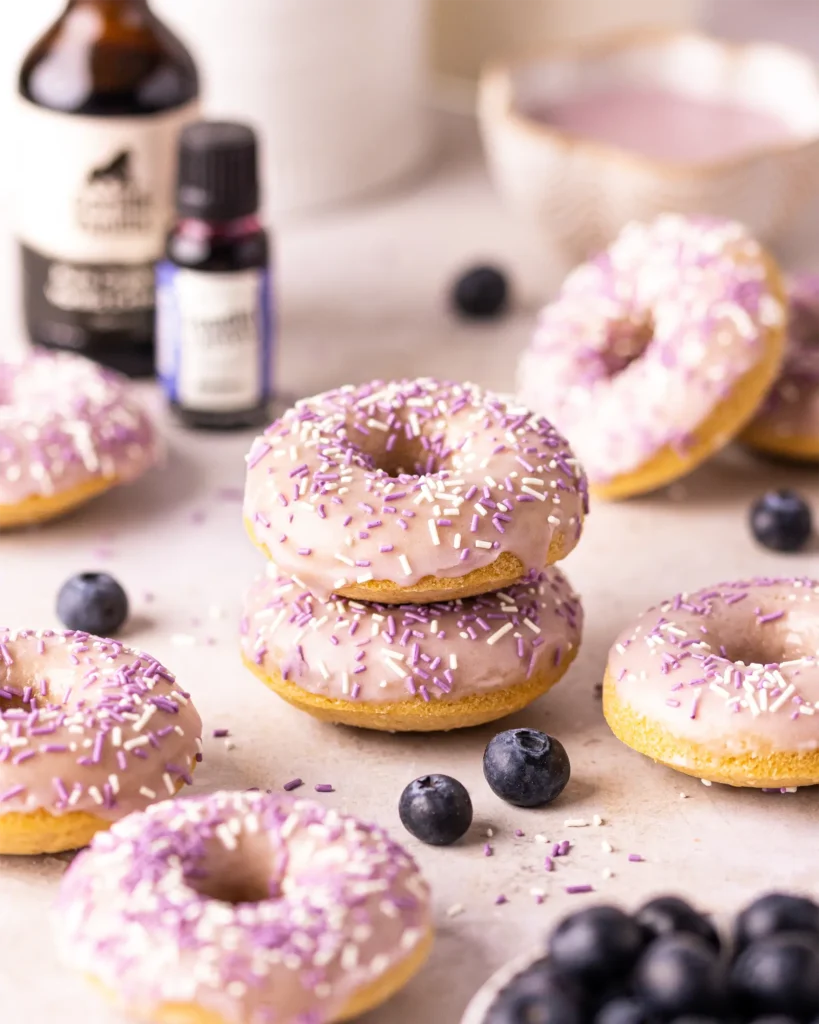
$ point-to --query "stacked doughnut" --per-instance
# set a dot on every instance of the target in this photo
(411, 529)
(659, 351)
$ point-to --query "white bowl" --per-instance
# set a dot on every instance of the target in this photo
(578, 193)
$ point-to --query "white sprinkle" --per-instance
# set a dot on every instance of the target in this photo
(505, 628)
(483, 544)
(455, 910)
(540, 838)
(575, 823)
(683, 796)
(166, 778)
(116, 736)
(607, 873)
(705, 782)
(365, 577)
(606, 846)
(433, 626)
(489, 833)
(456, 540)
(597, 820)
(323, 669)
(535, 494)
(344, 559)
(479, 508)
(345, 683)
(95, 794)
(453, 661)
(780, 700)
(405, 565)
(226, 836)
(433, 532)
(528, 622)
(113, 782)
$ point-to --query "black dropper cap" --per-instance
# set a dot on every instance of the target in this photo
(218, 171)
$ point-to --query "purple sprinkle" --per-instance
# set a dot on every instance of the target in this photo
(292, 784)
(635, 858)
(487, 850)
(574, 890)
(220, 733)
(324, 787)
(500, 900)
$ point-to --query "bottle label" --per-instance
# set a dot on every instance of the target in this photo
(93, 204)
(215, 337)
(96, 190)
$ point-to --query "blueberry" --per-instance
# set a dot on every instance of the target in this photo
(781, 520)
(596, 946)
(668, 914)
(525, 767)
(537, 996)
(679, 976)
(481, 292)
(774, 913)
(778, 975)
(435, 809)
(622, 1010)
(92, 602)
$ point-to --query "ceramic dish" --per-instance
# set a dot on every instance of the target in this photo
(481, 1003)
(579, 189)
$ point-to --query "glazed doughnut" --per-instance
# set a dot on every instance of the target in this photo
(788, 423)
(244, 908)
(89, 731)
(69, 430)
(723, 684)
(412, 491)
(412, 667)
(656, 353)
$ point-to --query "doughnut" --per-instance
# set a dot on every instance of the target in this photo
(69, 430)
(657, 352)
(723, 684)
(244, 908)
(412, 492)
(90, 730)
(411, 667)
(787, 425)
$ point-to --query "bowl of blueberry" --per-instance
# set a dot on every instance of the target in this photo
(665, 963)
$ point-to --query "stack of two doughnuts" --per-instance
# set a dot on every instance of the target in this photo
(411, 529)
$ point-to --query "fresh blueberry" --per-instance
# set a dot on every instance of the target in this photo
(622, 1010)
(679, 976)
(435, 809)
(537, 996)
(525, 767)
(773, 914)
(481, 292)
(778, 975)
(92, 602)
(668, 914)
(782, 521)
(596, 946)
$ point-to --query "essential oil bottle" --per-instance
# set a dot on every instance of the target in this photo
(102, 97)
(214, 293)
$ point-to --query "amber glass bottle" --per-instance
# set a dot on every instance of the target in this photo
(103, 96)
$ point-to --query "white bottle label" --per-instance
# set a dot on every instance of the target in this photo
(96, 190)
(215, 337)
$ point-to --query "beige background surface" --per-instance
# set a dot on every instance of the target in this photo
(363, 294)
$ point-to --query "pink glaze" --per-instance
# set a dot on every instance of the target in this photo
(792, 408)
(382, 654)
(647, 339)
(665, 125)
(259, 908)
(731, 668)
(64, 421)
(89, 725)
(398, 481)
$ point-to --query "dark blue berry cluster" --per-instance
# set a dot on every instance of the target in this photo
(666, 964)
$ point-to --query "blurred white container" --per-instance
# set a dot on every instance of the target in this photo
(465, 34)
(335, 87)
(578, 192)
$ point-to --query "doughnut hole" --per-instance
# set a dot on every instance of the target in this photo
(425, 451)
(626, 340)
(792, 637)
(242, 875)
